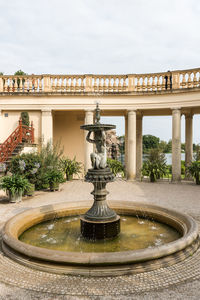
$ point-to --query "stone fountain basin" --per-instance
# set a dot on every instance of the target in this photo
(118, 263)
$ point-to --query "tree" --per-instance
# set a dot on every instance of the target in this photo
(150, 142)
(20, 72)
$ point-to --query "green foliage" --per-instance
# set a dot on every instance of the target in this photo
(1, 73)
(183, 167)
(70, 167)
(155, 165)
(25, 118)
(50, 155)
(150, 142)
(14, 184)
(197, 153)
(20, 72)
(28, 165)
(54, 176)
(115, 166)
(34, 166)
(194, 170)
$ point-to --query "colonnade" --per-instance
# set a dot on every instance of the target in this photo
(133, 140)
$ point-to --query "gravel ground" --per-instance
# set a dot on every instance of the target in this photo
(184, 197)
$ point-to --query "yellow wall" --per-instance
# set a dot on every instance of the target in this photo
(66, 129)
(10, 123)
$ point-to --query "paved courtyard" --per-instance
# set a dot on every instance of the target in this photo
(181, 281)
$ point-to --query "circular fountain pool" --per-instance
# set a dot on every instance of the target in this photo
(64, 234)
(105, 258)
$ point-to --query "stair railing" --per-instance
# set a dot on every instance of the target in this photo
(21, 134)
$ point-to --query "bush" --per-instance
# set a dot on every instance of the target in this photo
(34, 166)
(25, 118)
(70, 167)
(14, 184)
(115, 166)
(155, 165)
(194, 170)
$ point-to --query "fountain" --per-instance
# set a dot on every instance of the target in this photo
(42, 238)
(100, 221)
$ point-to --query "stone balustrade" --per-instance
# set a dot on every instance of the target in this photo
(151, 82)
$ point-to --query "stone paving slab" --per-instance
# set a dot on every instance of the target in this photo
(180, 281)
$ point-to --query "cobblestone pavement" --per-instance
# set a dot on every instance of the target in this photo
(180, 281)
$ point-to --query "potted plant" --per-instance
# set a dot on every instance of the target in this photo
(54, 178)
(115, 166)
(194, 170)
(155, 165)
(14, 186)
(70, 167)
(30, 190)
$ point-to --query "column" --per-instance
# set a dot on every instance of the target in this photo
(47, 126)
(139, 149)
(176, 144)
(188, 141)
(131, 159)
(126, 145)
(88, 146)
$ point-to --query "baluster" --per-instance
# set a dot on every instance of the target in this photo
(20, 84)
(36, 84)
(10, 85)
(72, 84)
(100, 84)
(63, 84)
(25, 84)
(40, 85)
(149, 87)
(6, 85)
(67, 84)
(77, 87)
(124, 84)
(109, 84)
(184, 81)
(144, 87)
(82, 84)
(53, 84)
(189, 80)
(58, 84)
(138, 86)
(95, 83)
(30, 85)
(163, 87)
(120, 85)
(154, 83)
(15, 84)
(114, 84)
(195, 80)
(104, 84)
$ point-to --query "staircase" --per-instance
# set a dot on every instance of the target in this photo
(20, 137)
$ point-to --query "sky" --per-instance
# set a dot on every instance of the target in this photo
(102, 37)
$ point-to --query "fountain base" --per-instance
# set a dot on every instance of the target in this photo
(100, 230)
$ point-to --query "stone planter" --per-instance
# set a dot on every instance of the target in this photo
(54, 186)
(17, 197)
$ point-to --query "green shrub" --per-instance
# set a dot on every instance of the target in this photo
(54, 176)
(70, 167)
(155, 165)
(25, 118)
(115, 166)
(194, 170)
(14, 184)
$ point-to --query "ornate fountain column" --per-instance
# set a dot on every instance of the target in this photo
(131, 160)
(47, 125)
(138, 145)
(176, 144)
(100, 221)
(88, 146)
(188, 141)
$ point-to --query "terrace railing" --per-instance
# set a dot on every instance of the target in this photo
(182, 79)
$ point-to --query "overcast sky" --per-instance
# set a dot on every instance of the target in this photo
(107, 36)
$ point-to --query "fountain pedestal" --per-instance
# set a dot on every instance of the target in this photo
(100, 221)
